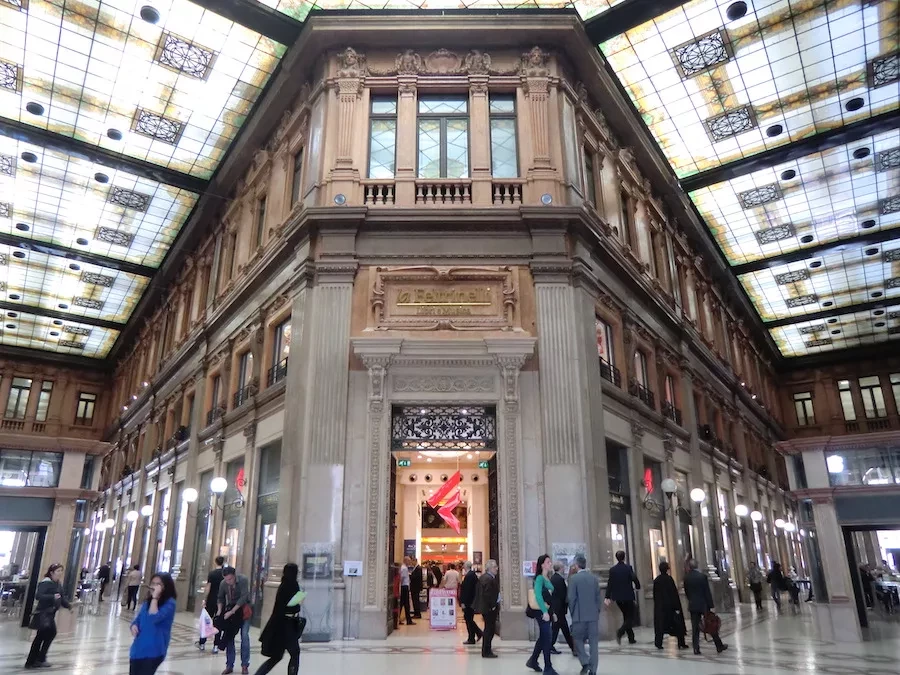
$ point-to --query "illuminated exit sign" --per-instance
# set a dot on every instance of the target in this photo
(404, 462)
(483, 465)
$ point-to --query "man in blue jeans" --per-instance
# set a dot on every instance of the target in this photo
(234, 594)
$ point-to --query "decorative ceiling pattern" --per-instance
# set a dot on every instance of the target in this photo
(743, 99)
(108, 109)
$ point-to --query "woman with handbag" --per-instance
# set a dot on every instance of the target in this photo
(284, 628)
(152, 627)
(49, 597)
(539, 601)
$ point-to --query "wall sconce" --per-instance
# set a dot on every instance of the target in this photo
(779, 523)
(217, 487)
(790, 527)
(756, 516)
(108, 524)
(131, 516)
(741, 511)
(698, 495)
(146, 510)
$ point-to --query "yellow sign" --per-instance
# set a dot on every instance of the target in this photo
(444, 298)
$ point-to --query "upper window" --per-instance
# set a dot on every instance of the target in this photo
(846, 400)
(670, 389)
(17, 403)
(444, 137)
(895, 388)
(260, 221)
(215, 393)
(627, 215)
(245, 369)
(590, 186)
(295, 178)
(87, 473)
(281, 345)
(504, 153)
(640, 368)
(872, 397)
(803, 404)
(84, 413)
(43, 406)
(605, 341)
(232, 254)
(21, 468)
(383, 137)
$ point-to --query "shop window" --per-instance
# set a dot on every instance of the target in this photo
(43, 406)
(295, 177)
(846, 400)
(84, 411)
(17, 403)
(260, 221)
(803, 404)
(872, 397)
(590, 185)
(382, 136)
(443, 135)
(24, 468)
(504, 151)
(895, 389)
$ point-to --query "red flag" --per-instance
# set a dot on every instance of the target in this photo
(444, 490)
(239, 482)
(446, 511)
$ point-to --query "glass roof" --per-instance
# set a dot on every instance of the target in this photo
(713, 90)
(162, 81)
(299, 9)
(858, 329)
(176, 91)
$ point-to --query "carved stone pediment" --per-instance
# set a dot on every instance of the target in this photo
(443, 62)
(444, 298)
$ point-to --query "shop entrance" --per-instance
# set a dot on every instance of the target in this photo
(21, 550)
(431, 447)
(874, 556)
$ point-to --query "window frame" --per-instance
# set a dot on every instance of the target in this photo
(504, 117)
(297, 176)
(80, 416)
(848, 390)
(383, 117)
(669, 394)
(444, 118)
(590, 176)
(260, 232)
(278, 341)
(38, 415)
(12, 412)
(808, 417)
(609, 337)
(870, 393)
(641, 375)
(245, 369)
(894, 381)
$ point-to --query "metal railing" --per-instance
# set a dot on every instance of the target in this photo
(610, 373)
(214, 414)
(277, 372)
(241, 396)
(670, 411)
(646, 396)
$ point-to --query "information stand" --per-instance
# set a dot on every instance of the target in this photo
(442, 607)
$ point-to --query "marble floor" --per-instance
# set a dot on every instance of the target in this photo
(760, 644)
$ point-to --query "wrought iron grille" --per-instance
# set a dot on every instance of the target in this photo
(701, 54)
(750, 199)
(7, 165)
(5, 209)
(791, 277)
(731, 123)
(821, 342)
(772, 234)
(670, 411)
(277, 372)
(97, 279)
(185, 57)
(9, 76)
(111, 236)
(887, 159)
(161, 128)
(885, 69)
(77, 330)
(801, 300)
(241, 396)
(889, 205)
(128, 198)
(444, 428)
(610, 373)
(88, 303)
(810, 330)
(643, 393)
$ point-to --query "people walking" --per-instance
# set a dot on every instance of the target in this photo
(48, 598)
(867, 579)
(467, 592)
(543, 598)
(103, 576)
(776, 583)
(282, 631)
(416, 581)
(451, 578)
(560, 608)
(667, 616)
(152, 627)
(213, 583)
(487, 603)
(234, 608)
(754, 580)
(700, 602)
(404, 591)
(583, 598)
(133, 584)
(621, 587)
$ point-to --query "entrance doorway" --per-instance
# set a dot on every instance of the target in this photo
(873, 558)
(21, 550)
(430, 445)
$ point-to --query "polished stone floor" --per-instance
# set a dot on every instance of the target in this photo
(760, 644)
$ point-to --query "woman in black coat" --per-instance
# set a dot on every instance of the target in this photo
(50, 598)
(667, 615)
(282, 631)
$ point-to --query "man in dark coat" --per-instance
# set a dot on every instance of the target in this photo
(621, 587)
(415, 588)
(103, 575)
(667, 616)
(559, 606)
(468, 589)
(700, 601)
(487, 603)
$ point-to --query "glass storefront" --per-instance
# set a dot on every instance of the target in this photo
(232, 540)
(202, 541)
(684, 528)
(163, 555)
(266, 517)
(655, 515)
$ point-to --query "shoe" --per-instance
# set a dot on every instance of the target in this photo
(721, 649)
(697, 652)
(43, 664)
(632, 641)
(584, 670)
(215, 651)
(228, 671)
(533, 665)
(410, 623)
(551, 671)
(683, 647)
(469, 642)
(659, 646)
(492, 655)
(554, 650)
(618, 639)
(245, 670)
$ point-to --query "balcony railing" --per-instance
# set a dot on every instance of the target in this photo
(444, 191)
(241, 396)
(214, 414)
(670, 411)
(610, 373)
(646, 396)
(277, 372)
(378, 192)
(507, 191)
(882, 424)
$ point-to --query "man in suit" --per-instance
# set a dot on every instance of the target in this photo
(584, 602)
(467, 592)
(415, 588)
(487, 603)
(558, 605)
(700, 601)
(103, 575)
(622, 584)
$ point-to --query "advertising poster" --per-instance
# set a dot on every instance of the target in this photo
(442, 606)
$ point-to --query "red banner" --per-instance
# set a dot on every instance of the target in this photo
(449, 495)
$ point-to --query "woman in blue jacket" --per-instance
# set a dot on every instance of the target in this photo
(152, 627)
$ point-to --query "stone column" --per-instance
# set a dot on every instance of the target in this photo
(541, 175)
(251, 488)
(348, 89)
(407, 138)
(480, 135)
(640, 558)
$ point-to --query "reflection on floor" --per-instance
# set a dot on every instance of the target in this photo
(760, 644)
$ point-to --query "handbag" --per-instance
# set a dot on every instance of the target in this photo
(246, 612)
(532, 600)
(42, 620)
(711, 623)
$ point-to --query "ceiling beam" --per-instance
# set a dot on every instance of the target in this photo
(78, 256)
(877, 237)
(832, 311)
(625, 16)
(93, 153)
(791, 151)
(257, 17)
(7, 306)
(21, 354)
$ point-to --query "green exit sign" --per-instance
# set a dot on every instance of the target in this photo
(483, 465)
(404, 462)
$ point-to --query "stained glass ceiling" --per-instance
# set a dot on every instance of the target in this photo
(160, 86)
(740, 96)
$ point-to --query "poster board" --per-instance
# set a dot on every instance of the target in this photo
(442, 609)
